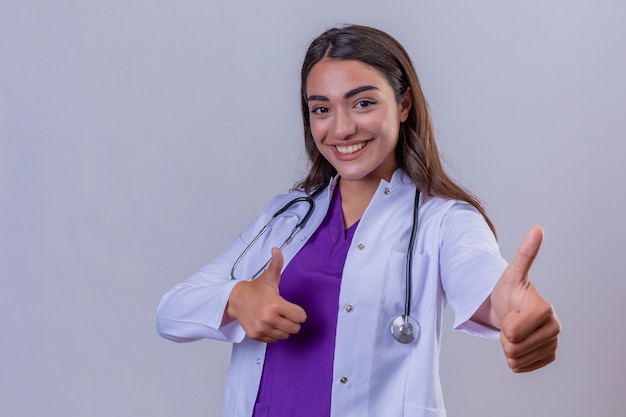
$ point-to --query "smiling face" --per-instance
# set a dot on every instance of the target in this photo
(355, 118)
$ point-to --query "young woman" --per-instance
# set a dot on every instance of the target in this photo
(345, 320)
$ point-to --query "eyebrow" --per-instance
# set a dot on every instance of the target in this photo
(349, 94)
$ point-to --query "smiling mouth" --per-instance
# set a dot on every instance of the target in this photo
(346, 150)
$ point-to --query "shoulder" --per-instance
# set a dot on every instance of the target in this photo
(456, 223)
(444, 210)
(279, 200)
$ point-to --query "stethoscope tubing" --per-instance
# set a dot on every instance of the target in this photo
(409, 257)
(404, 328)
(309, 199)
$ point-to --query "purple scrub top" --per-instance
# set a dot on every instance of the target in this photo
(298, 371)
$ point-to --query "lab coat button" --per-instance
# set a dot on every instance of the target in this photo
(360, 246)
(387, 191)
(349, 308)
(258, 361)
(343, 380)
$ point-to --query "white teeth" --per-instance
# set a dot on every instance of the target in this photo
(344, 150)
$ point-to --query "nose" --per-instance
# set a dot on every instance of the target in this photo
(344, 126)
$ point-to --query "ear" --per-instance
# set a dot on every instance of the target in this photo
(405, 105)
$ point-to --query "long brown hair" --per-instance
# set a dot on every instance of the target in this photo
(416, 152)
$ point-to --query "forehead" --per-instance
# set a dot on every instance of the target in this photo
(343, 75)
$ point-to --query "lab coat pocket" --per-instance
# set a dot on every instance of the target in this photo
(415, 411)
(422, 293)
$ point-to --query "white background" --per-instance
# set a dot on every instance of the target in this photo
(137, 138)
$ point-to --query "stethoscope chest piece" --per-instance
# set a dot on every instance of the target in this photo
(405, 329)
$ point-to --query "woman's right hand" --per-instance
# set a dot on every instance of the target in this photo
(257, 305)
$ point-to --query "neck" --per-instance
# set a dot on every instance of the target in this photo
(355, 197)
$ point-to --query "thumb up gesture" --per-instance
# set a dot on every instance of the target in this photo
(257, 305)
(529, 326)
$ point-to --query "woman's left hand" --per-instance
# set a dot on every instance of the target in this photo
(529, 326)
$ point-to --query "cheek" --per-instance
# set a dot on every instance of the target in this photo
(391, 124)
(379, 124)
(317, 131)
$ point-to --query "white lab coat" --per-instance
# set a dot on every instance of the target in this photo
(456, 261)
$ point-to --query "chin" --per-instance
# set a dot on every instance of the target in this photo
(351, 175)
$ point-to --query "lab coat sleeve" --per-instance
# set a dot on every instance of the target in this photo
(194, 309)
(470, 263)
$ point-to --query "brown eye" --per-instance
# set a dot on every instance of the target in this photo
(362, 104)
(319, 110)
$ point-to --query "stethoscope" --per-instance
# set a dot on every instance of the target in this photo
(404, 328)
